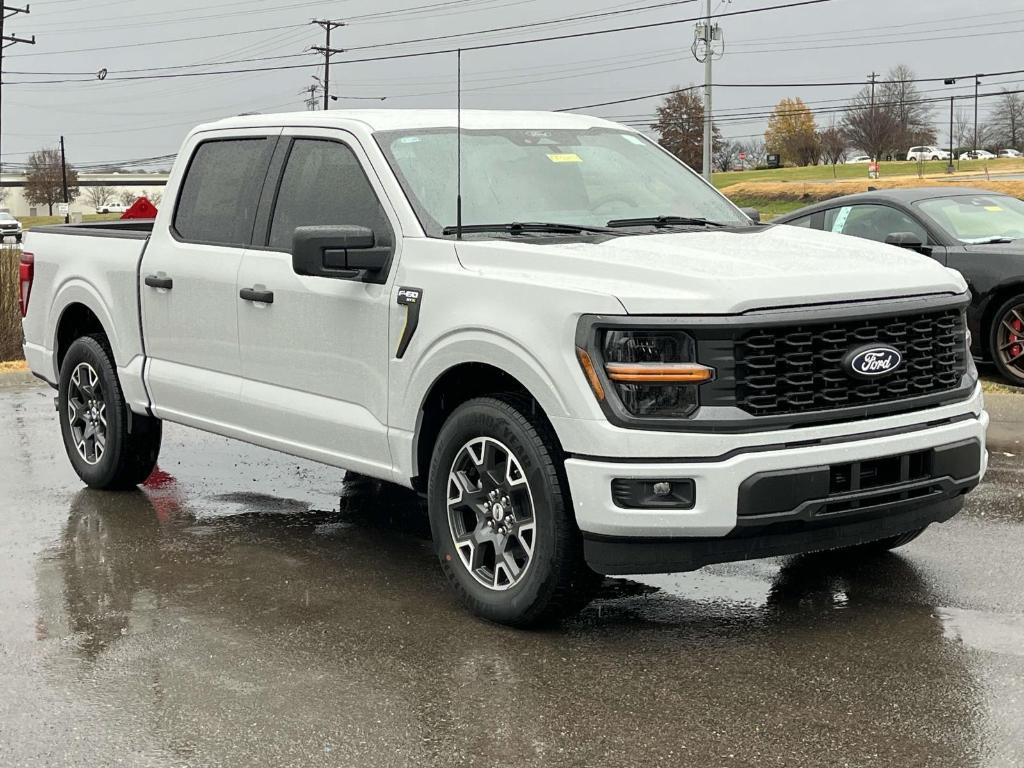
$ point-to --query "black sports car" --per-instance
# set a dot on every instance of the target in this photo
(980, 234)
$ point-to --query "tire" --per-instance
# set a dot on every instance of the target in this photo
(540, 576)
(1006, 340)
(935, 157)
(109, 447)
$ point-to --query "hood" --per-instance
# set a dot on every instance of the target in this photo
(719, 272)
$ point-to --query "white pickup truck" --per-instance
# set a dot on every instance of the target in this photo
(590, 361)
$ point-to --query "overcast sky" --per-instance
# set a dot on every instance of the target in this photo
(119, 121)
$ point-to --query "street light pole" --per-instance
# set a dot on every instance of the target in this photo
(64, 182)
(977, 82)
(949, 166)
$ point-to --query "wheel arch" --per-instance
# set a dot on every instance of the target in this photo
(456, 385)
(997, 297)
(76, 320)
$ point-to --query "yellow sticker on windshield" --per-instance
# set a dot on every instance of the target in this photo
(993, 208)
(566, 158)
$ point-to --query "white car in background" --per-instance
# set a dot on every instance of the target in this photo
(860, 159)
(927, 153)
(111, 208)
(1008, 153)
(977, 154)
(9, 227)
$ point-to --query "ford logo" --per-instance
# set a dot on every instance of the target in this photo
(872, 361)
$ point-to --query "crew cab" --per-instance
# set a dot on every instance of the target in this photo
(586, 358)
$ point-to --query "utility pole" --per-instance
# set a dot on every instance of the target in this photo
(64, 182)
(872, 78)
(327, 51)
(706, 35)
(6, 41)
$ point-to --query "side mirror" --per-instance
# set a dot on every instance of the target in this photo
(753, 214)
(342, 252)
(908, 240)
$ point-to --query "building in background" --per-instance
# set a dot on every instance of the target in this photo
(119, 187)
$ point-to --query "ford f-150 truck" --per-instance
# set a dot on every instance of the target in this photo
(587, 359)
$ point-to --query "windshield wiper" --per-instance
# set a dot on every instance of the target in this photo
(525, 227)
(665, 221)
(990, 240)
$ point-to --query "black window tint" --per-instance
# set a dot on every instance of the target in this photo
(323, 183)
(221, 191)
(803, 221)
(872, 222)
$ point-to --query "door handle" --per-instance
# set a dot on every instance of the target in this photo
(251, 294)
(159, 281)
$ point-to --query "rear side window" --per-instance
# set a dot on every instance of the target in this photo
(324, 183)
(221, 191)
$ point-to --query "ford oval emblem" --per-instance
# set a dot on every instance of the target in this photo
(872, 361)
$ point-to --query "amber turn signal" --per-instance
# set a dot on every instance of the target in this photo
(658, 373)
(588, 370)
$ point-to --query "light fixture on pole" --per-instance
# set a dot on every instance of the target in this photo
(949, 167)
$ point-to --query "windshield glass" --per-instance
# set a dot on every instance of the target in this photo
(7, 217)
(586, 177)
(977, 218)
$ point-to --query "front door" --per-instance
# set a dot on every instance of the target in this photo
(314, 350)
(188, 281)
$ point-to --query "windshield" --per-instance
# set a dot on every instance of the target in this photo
(6, 217)
(585, 178)
(977, 218)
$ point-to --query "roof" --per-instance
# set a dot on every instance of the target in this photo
(413, 119)
(904, 195)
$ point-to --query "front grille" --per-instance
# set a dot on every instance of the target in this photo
(796, 369)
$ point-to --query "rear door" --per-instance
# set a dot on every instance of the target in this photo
(188, 279)
(315, 359)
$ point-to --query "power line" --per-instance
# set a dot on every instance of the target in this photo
(477, 47)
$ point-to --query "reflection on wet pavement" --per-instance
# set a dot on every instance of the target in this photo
(247, 609)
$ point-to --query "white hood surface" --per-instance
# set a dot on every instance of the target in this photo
(718, 272)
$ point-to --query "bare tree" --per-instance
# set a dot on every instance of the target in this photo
(126, 197)
(724, 156)
(870, 127)
(156, 198)
(899, 96)
(1008, 120)
(754, 150)
(97, 197)
(44, 184)
(833, 146)
(963, 131)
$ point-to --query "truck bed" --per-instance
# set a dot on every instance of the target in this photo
(132, 229)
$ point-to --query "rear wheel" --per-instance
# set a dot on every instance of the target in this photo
(109, 446)
(1007, 342)
(501, 516)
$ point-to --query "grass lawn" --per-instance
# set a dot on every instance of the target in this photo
(27, 222)
(769, 209)
(860, 171)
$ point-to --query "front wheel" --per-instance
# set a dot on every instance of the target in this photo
(109, 446)
(1007, 340)
(501, 517)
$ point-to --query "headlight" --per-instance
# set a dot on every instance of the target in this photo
(653, 373)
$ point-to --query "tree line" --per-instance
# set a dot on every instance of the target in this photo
(882, 121)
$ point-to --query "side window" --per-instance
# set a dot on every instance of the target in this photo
(803, 221)
(323, 183)
(872, 222)
(221, 190)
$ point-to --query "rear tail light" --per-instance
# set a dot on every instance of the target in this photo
(26, 273)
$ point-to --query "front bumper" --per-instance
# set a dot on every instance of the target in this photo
(720, 498)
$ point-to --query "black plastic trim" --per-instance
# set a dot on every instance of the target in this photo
(613, 555)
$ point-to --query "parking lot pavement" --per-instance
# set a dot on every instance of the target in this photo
(249, 609)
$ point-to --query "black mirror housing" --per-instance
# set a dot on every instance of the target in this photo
(907, 240)
(753, 214)
(344, 251)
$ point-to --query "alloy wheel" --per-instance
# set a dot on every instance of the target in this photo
(1010, 339)
(491, 513)
(87, 413)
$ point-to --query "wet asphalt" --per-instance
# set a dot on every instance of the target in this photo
(249, 609)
